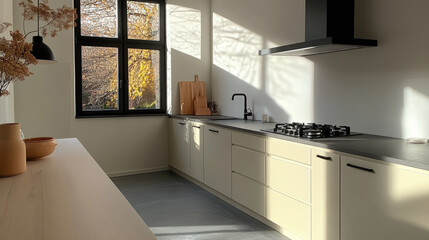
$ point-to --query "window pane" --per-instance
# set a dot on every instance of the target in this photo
(99, 18)
(143, 20)
(143, 79)
(99, 78)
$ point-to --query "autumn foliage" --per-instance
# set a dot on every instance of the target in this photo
(15, 56)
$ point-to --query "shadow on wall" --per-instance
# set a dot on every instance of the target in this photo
(281, 87)
(188, 46)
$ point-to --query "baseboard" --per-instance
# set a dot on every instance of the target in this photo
(237, 205)
(135, 172)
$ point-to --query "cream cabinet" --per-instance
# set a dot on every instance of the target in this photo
(380, 201)
(180, 145)
(248, 163)
(325, 195)
(197, 151)
(217, 159)
(248, 171)
(288, 180)
(288, 150)
(248, 193)
(292, 215)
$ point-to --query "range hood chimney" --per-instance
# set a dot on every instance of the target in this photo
(329, 27)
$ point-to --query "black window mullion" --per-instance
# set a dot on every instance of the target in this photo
(122, 17)
(123, 44)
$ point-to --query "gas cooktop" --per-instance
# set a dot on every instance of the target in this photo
(310, 130)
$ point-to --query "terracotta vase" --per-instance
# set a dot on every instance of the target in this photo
(12, 150)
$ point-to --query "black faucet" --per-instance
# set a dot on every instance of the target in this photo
(247, 113)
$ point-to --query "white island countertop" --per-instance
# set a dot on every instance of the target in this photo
(66, 196)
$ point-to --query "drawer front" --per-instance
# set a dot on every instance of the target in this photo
(285, 149)
(248, 193)
(290, 214)
(248, 163)
(289, 177)
(249, 141)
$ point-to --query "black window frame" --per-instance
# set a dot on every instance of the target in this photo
(123, 44)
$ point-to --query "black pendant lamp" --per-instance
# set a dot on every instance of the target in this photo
(40, 50)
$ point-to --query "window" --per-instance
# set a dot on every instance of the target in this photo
(120, 57)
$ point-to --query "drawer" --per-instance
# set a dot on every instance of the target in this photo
(289, 178)
(290, 214)
(289, 150)
(248, 163)
(249, 141)
(248, 193)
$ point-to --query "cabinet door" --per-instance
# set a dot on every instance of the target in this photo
(180, 146)
(325, 195)
(197, 151)
(217, 159)
(383, 201)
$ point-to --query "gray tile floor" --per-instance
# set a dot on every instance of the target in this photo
(175, 208)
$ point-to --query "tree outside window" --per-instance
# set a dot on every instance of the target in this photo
(120, 57)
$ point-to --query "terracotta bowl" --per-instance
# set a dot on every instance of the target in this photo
(40, 147)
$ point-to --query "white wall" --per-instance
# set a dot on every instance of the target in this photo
(189, 39)
(44, 105)
(383, 90)
(7, 113)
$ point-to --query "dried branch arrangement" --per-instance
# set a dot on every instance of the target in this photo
(15, 53)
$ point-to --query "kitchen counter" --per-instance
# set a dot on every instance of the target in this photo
(66, 196)
(381, 148)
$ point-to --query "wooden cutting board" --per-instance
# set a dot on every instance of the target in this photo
(186, 100)
(200, 102)
(198, 88)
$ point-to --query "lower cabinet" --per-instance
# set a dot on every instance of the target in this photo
(383, 201)
(180, 145)
(310, 193)
(325, 195)
(292, 215)
(217, 159)
(248, 193)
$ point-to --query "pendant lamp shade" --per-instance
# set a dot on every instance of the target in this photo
(40, 50)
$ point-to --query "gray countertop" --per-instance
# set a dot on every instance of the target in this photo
(381, 148)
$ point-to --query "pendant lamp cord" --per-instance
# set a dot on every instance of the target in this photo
(38, 21)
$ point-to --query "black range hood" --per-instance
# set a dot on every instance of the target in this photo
(329, 27)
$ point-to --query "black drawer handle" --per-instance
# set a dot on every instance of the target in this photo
(323, 157)
(215, 131)
(196, 127)
(361, 168)
(182, 123)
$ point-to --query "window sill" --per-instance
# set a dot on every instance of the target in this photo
(123, 116)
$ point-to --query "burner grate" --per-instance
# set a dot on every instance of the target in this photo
(310, 130)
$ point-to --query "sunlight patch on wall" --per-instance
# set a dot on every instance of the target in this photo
(184, 30)
(235, 50)
(290, 83)
(415, 114)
